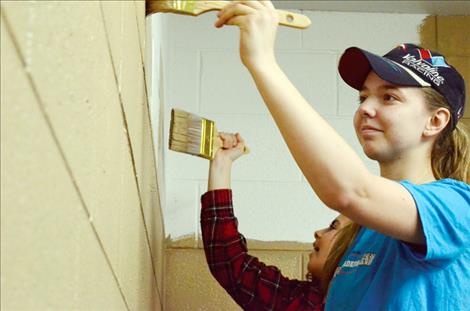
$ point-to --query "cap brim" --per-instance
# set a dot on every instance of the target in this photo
(355, 64)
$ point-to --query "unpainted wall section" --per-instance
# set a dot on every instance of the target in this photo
(449, 35)
(81, 224)
(189, 284)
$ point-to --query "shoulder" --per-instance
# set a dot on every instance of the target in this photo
(442, 191)
(444, 211)
(447, 183)
(443, 199)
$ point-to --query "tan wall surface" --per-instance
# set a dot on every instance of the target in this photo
(81, 224)
(190, 286)
(449, 35)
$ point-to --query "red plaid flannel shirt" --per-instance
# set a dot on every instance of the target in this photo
(252, 284)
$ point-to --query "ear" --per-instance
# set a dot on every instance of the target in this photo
(437, 122)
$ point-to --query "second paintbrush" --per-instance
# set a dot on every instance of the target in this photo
(194, 135)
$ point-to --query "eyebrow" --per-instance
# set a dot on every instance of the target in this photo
(384, 87)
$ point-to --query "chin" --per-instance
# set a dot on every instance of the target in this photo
(314, 271)
(379, 156)
(370, 152)
(373, 153)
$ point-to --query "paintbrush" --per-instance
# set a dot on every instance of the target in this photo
(194, 135)
(196, 7)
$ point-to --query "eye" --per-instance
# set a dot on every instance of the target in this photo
(361, 99)
(333, 225)
(390, 97)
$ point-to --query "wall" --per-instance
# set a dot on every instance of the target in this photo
(447, 34)
(272, 200)
(81, 224)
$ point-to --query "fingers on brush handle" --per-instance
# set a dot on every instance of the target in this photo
(286, 18)
(293, 19)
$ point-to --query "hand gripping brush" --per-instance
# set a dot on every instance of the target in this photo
(194, 135)
(196, 7)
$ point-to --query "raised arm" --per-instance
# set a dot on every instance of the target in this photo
(251, 283)
(333, 169)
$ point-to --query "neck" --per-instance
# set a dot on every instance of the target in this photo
(414, 168)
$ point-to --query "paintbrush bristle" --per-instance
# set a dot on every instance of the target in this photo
(187, 7)
(180, 7)
(191, 134)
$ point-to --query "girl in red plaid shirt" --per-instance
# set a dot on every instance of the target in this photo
(252, 284)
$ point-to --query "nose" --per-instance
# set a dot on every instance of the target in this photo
(317, 234)
(367, 108)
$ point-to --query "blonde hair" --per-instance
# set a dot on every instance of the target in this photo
(345, 237)
(450, 158)
(450, 155)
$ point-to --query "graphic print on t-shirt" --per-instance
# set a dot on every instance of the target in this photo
(354, 261)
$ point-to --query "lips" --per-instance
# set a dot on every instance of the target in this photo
(367, 129)
(315, 247)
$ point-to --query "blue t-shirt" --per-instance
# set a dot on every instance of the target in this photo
(381, 273)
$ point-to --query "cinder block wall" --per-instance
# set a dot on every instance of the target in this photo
(449, 35)
(81, 224)
(272, 200)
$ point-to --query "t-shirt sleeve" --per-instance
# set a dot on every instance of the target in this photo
(444, 210)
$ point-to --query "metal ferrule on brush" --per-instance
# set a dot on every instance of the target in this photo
(207, 139)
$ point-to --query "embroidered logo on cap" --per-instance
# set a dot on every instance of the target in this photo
(425, 65)
(436, 61)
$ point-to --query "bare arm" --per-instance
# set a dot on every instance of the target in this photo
(332, 168)
(220, 168)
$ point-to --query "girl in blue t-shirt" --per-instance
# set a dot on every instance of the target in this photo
(412, 249)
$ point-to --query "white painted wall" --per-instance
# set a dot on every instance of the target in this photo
(204, 75)
(156, 45)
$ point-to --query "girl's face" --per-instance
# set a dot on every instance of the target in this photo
(324, 240)
(390, 119)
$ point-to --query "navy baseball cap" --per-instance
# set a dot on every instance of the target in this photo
(407, 65)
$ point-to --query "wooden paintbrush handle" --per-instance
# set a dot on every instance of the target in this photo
(286, 18)
(294, 20)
